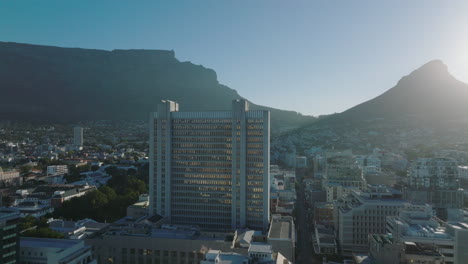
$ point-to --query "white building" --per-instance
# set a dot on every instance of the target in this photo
(10, 178)
(211, 169)
(436, 181)
(54, 170)
(53, 251)
(364, 212)
(418, 224)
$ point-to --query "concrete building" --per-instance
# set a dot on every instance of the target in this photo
(418, 224)
(53, 251)
(323, 213)
(364, 212)
(54, 170)
(301, 162)
(10, 178)
(385, 250)
(210, 169)
(323, 240)
(342, 176)
(78, 136)
(435, 181)
(9, 242)
(152, 240)
(140, 208)
(282, 236)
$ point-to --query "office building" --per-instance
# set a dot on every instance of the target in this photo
(210, 169)
(78, 136)
(342, 176)
(418, 224)
(385, 250)
(54, 170)
(53, 251)
(9, 234)
(436, 181)
(364, 212)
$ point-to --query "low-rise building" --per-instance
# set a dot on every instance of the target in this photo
(10, 178)
(53, 251)
(418, 224)
(282, 236)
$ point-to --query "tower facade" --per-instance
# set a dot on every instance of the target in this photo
(210, 169)
(78, 136)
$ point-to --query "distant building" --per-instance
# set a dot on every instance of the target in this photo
(76, 229)
(140, 208)
(323, 213)
(9, 242)
(342, 176)
(210, 169)
(10, 178)
(436, 181)
(385, 250)
(78, 136)
(301, 162)
(364, 212)
(418, 224)
(54, 170)
(53, 251)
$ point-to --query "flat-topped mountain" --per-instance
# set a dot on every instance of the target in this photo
(70, 84)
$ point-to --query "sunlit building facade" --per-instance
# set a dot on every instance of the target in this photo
(210, 169)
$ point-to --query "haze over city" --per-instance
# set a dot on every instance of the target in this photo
(234, 132)
(314, 57)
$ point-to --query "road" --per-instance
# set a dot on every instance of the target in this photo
(305, 251)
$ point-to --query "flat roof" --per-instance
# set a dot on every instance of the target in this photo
(260, 247)
(280, 229)
(33, 242)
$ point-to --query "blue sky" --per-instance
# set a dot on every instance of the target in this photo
(314, 57)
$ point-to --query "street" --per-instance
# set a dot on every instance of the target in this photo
(304, 249)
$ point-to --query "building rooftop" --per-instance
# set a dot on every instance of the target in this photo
(260, 247)
(33, 242)
(281, 228)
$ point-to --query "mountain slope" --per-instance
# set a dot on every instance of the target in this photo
(69, 84)
(428, 107)
(428, 94)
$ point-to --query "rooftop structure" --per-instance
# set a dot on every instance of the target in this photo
(47, 250)
(418, 224)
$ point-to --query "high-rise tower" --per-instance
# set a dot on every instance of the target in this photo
(210, 169)
(78, 136)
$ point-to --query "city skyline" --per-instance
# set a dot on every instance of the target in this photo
(327, 57)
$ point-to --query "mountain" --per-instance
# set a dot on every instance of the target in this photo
(427, 107)
(428, 94)
(72, 84)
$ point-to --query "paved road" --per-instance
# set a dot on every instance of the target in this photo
(304, 243)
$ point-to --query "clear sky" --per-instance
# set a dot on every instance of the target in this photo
(314, 57)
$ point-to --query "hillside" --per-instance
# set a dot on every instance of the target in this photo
(427, 107)
(428, 94)
(71, 84)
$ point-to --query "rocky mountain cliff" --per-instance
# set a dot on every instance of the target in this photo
(70, 84)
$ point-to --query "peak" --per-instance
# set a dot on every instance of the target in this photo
(433, 66)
